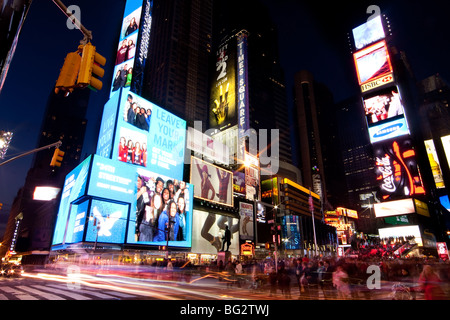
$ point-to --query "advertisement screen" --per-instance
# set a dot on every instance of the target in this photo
(149, 136)
(396, 170)
(211, 183)
(222, 110)
(107, 222)
(126, 49)
(394, 208)
(446, 144)
(434, 164)
(373, 66)
(208, 231)
(402, 231)
(383, 105)
(368, 32)
(107, 127)
(290, 232)
(161, 202)
(246, 221)
(74, 187)
(388, 130)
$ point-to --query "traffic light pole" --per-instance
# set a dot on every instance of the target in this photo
(87, 33)
(56, 144)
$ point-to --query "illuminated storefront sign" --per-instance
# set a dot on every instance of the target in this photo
(442, 250)
(349, 213)
(396, 170)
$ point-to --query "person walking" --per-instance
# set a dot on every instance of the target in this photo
(431, 284)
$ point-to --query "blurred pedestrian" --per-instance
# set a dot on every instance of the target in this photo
(431, 284)
(340, 282)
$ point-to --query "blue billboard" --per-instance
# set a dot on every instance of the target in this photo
(108, 201)
(388, 130)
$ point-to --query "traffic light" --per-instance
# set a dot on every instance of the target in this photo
(57, 158)
(1, 205)
(68, 74)
(90, 68)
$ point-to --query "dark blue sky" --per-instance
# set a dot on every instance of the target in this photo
(313, 36)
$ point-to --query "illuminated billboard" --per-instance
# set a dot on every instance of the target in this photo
(132, 49)
(347, 212)
(388, 130)
(446, 144)
(208, 230)
(368, 32)
(222, 110)
(383, 105)
(394, 208)
(434, 164)
(109, 201)
(148, 136)
(45, 193)
(246, 221)
(402, 231)
(373, 66)
(211, 183)
(396, 169)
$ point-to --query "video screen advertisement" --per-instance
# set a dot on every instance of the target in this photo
(396, 169)
(368, 32)
(373, 67)
(211, 183)
(132, 48)
(112, 202)
(222, 109)
(148, 136)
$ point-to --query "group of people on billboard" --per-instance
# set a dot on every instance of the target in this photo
(133, 152)
(161, 210)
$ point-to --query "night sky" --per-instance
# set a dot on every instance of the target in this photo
(312, 36)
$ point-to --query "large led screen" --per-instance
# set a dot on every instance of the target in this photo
(149, 136)
(396, 169)
(388, 130)
(107, 222)
(402, 231)
(126, 50)
(446, 144)
(383, 105)
(161, 211)
(368, 32)
(373, 66)
(222, 110)
(246, 221)
(211, 183)
(74, 187)
(434, 164)
(107, 127)
(208, 231)
(394, 208)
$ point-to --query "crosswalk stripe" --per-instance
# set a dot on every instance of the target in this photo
(63, 292)
(88, 291)
(46, 295)
(19, 294)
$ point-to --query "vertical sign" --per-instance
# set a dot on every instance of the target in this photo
(242, 92)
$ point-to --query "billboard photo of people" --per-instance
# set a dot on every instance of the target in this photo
(163, 211)
(132, 147)
(211, 183)
(384, 105)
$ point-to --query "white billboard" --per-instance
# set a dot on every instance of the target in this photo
(394, 208)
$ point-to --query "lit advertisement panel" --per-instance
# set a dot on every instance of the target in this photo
(446, 144)
(126, 51)
(208, 230)
(149, 136)
(246, 221)
(347, 212)
(445, 202)
(368, 32)
(45, 193)
(111, 180)
(290, 232)
(107, 222)
(402, 231)
(222, 110)
(396, 169)
(394, 208)
(373, 66)
(75, 227)
(74, 187)
(388, 130)
(383, 105)
(106, 134)
(160, 200)
(211, 183)
(242, 89)
(434, 164)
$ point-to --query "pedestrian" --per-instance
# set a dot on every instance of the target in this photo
(273, 283)
(340, 282)
(431, 284)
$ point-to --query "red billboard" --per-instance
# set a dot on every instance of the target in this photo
(373, 66)
(397, 170)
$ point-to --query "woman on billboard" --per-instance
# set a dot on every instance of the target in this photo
(206, 184)
(168, 223)
(182, 219)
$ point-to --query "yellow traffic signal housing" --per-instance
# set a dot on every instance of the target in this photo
(57, 158)
(90, 69)
(69, 72)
